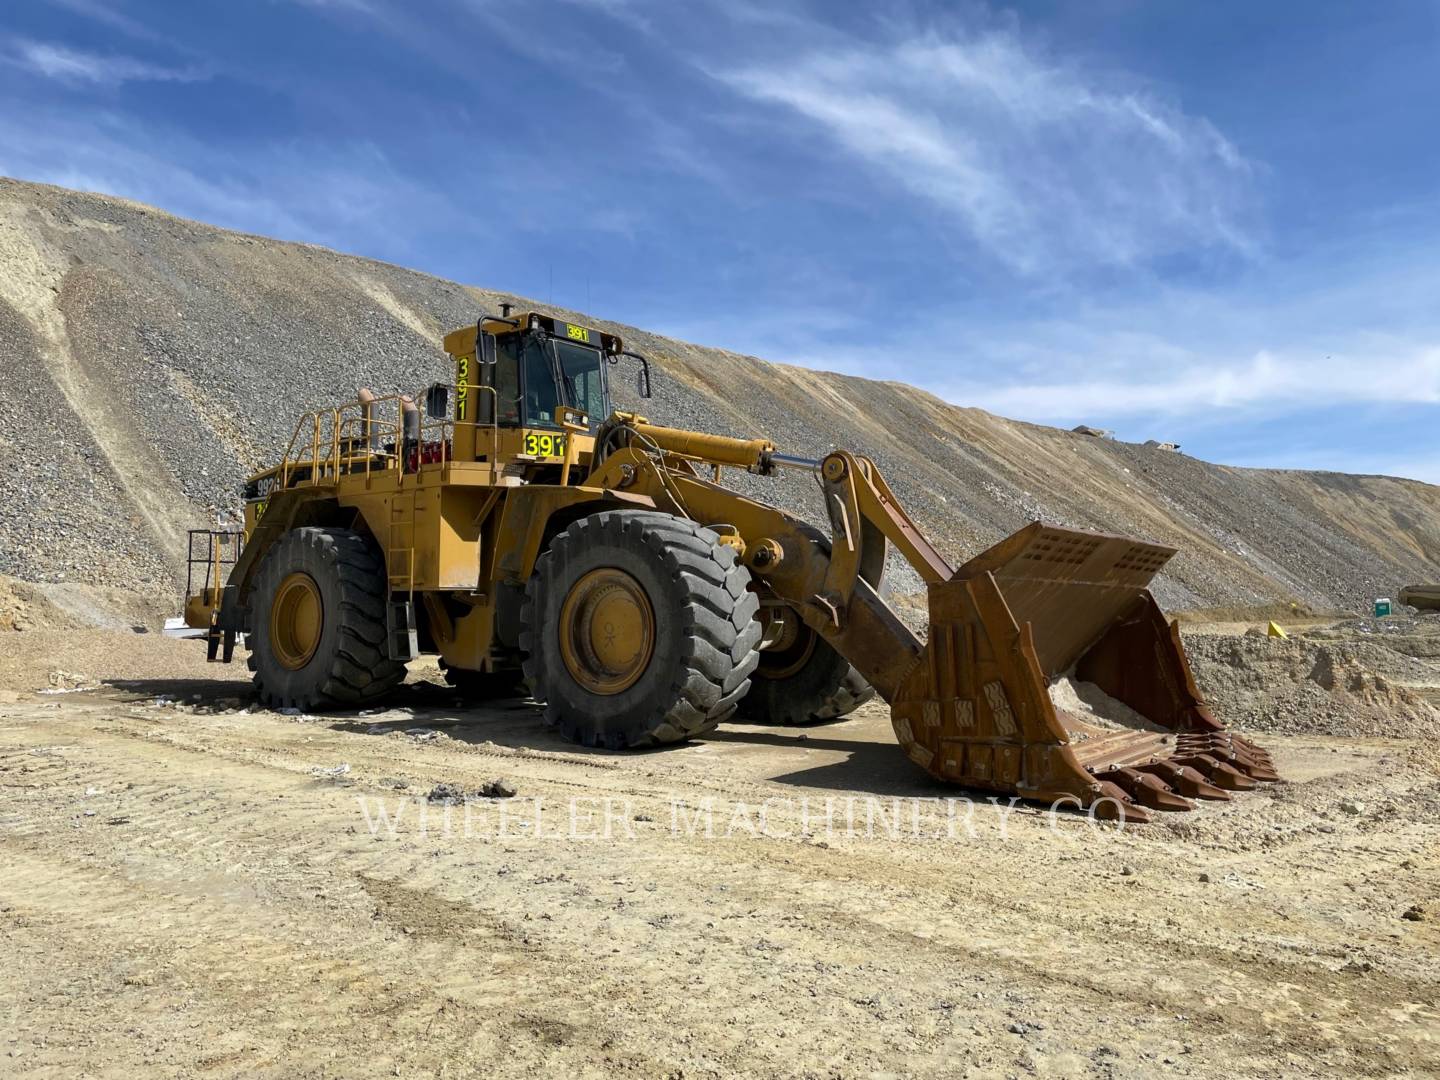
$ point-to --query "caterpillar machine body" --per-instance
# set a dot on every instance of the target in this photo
(532, 537)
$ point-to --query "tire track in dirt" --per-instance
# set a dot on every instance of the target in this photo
(770, 935)
(177, 858)
(188, 838)
(317, 985)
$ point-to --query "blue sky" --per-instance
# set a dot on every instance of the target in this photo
(1217, 224)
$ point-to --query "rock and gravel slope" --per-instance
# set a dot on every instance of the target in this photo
(147, 363)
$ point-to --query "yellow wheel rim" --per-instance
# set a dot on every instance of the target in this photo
(607, 631)
(296, 619)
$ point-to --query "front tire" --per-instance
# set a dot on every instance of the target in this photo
(316, 625)
(638, 629)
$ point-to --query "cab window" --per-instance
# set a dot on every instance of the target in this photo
(541, 393)
(507, 388)
(584, 386)
(504, 375)
(524, 376)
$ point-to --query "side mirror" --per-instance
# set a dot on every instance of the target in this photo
(437, 401)
(642, 381)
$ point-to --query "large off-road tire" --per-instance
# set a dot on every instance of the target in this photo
(485, 685)
(316, 626)
(806, 682)
(638, 628)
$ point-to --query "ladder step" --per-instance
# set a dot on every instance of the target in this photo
(401, 564)
(403, 641)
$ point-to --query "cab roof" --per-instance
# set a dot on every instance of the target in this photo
(462, 342)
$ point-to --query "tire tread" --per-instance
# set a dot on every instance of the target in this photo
(718, 620)
(361, 671)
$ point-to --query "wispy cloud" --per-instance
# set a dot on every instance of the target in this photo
(1049, 166)
(110, 14)
(77, 66)
(364, 7)
(344, 194)
(627, 12)
(1268, 381)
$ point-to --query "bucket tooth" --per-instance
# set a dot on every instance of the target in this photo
(1265, 773)
(1148, 789)
(1220, 773)
(1185, 780)
(1258, 763)
(1240, 754)
(1114, 802)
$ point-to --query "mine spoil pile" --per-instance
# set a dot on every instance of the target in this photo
(1329, 682)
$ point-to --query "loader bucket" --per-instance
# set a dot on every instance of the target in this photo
(1050, 602)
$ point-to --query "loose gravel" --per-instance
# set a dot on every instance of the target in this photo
(1304, 686)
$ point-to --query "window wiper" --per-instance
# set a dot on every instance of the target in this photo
(567, 381)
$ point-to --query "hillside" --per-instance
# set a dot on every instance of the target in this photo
(150, 362)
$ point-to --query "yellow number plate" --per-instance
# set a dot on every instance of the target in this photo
(577, 333)
(462, 388)
(544, 445)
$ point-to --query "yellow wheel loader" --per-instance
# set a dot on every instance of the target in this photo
(530, 536)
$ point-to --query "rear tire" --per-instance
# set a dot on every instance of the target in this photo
(316, 626)
(638, 629)
(809, 683)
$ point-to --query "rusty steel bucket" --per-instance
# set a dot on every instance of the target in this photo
(1045, 603)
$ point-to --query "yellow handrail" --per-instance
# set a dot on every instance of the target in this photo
(335, 432)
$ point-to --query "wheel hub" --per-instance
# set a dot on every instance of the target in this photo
(791, 648)
(296, 619)
(607, 631)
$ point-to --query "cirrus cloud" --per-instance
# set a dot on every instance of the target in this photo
(1047, 165)
(80, 67)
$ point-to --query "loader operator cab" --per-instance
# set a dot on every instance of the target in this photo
(539, 378)
(537, 363)
(535, 372)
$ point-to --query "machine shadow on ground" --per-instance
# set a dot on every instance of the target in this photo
(872, 766)
(853, 763)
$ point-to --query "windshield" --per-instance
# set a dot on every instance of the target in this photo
(528, 363)
(581, 370)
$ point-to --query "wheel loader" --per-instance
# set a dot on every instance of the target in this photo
(540, 542)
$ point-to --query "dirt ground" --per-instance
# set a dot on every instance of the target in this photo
(193, 886)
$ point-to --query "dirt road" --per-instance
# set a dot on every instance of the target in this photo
(194, 888)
